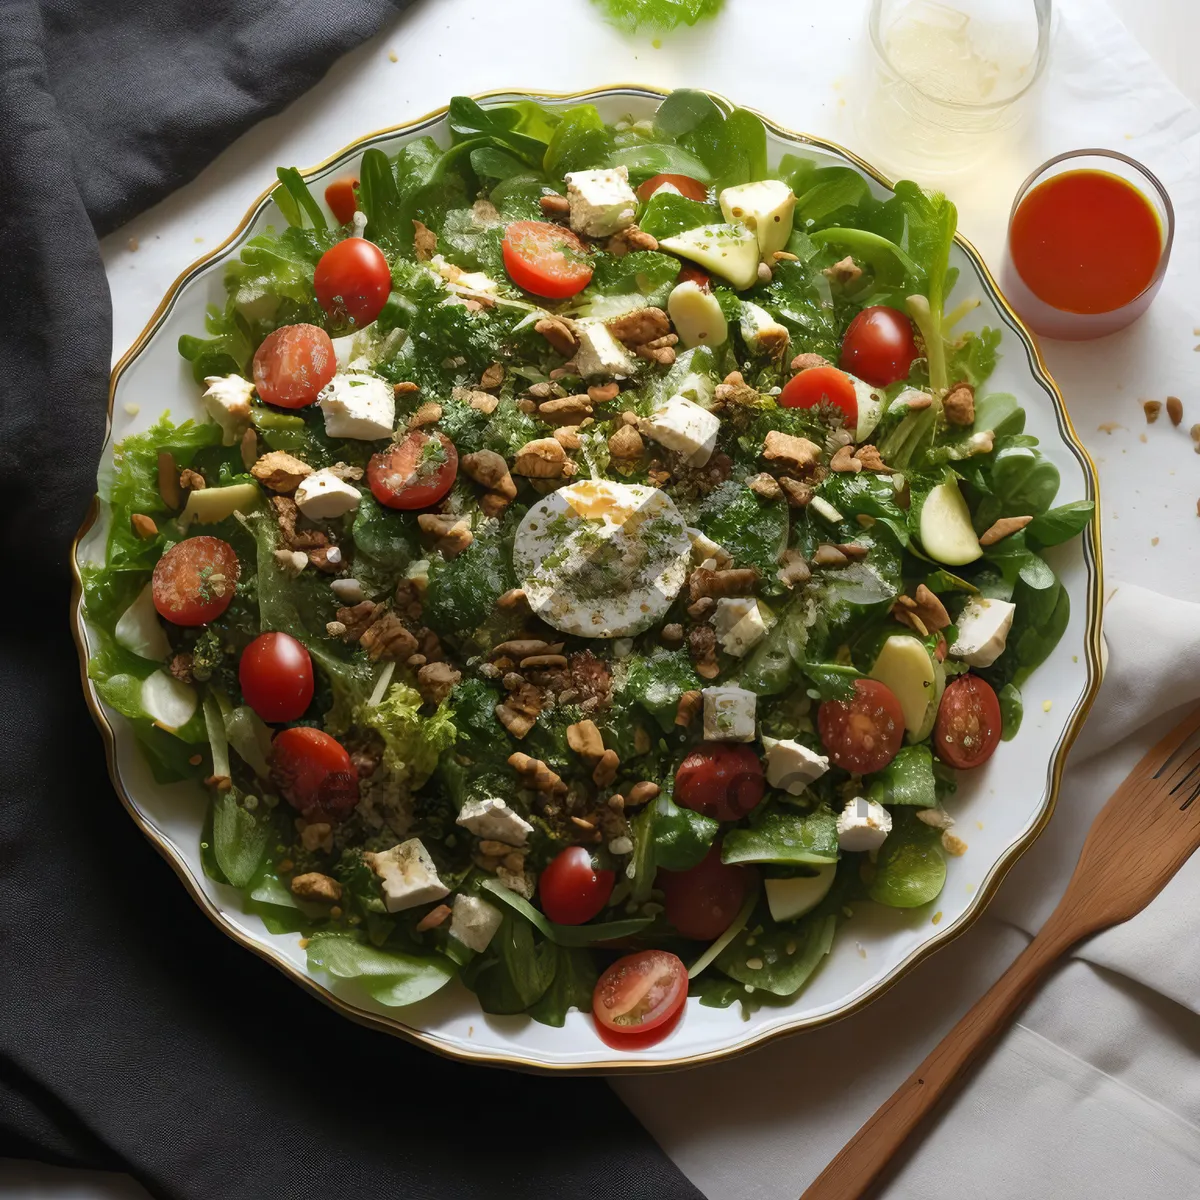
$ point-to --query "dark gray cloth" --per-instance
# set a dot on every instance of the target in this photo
(133, 1034)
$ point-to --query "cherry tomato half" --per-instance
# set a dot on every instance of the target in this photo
(342, 197)
(702, 902)
(879, 346)
(353, 281)
(693, 189)
(640, 992)
(276, 675)
(968, 723)
(293, 364)
(546, 259)
(720, 779)
(689, 273)
(822, 385)
(863, 734)
(414, 473)
(193, 582)
(571, 890)
(314, 773)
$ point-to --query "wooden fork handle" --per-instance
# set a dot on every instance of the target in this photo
(862, 1159)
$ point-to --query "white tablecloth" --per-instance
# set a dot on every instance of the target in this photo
(1095, 1091)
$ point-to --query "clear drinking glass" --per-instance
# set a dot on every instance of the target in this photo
(946, 77)
(1053, 322)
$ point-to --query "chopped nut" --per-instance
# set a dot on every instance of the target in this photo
(513, 598)
(785, 256)
(959, 405)
(492, 377)
(315, 886)
(568, 437)
(543, 662)
(483, 402)
(248, 448)
(405, 388)
(1002, 528)
(664, 355)
(435, 681)
(546, 390)
(644, 791)
(671, 635)
(543, 458)
(641, 327)
(926, 613)
(168, 480)
(794, 569)
(764, 485)
(871, 459)
(584, 738)
(291, 562)
(453, 533)
(559, 334)
(536, 774)
(798, 494)
(489, 469)
(424, 242)
(735, 390)
(953, 844)
(583, 823)
(764, 273)
(917, 403)
(793, 453)
(630, 239)
(829, 556)
(279, 471)
(602, 393)
(844, 461)
(735, 581)
(690, 704)
(701, 608)
(143, 526)
(519, 648)
(1151, 408)
(554, 206)
(221, 782)
(626, 444)
(192, 481)
(434, 917)
(386, 637)
(316, 835)
(566, 410)
(1175, 409)
(428, 414)
(180, 667)
(702, 646)
(853, 550)
(845, 272)
(334, 628)
(326, 558)
(605, 770)
(802, 362)
(517, 723)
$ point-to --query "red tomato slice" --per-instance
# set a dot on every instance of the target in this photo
(353, 281)
(414, 473)
(293, 364)
(879, 346)
(693, 189)
(822, 385)
(640, 992)
(968, 723)
(702, 902)
(571, 890)
(546, 259)
(342, 197)
(720, 779)
(314, 773)
(194, 581)
(688, 273)
(276, 675)
(864, 734)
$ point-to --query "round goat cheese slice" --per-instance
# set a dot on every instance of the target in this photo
(602, 559)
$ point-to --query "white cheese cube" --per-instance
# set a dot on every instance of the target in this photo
(494, 820)
(408, 874)
(741, 623)
(684, 426)
(761, 332)
(358, 406)
(983, 627)
(599, 352)
(602, 202)
(474, 922)
(863, 825)
(227, 401)
(322, 496)
(766, 207)
(729, 714)
(792, 766)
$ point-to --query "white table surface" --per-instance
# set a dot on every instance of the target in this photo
(1150, 488)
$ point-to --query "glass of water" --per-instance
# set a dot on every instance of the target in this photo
(946, 78)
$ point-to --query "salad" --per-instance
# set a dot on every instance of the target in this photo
(602, 554)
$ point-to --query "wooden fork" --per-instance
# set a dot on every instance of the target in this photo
(1142, 836)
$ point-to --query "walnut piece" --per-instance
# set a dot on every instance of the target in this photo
(735, 390)
(602, 393)
(959, 405)
(626, 444)
(629, 240)
(566, 410)
(452, 532)
(435, 681)
(559, 334)
(279, 471)
(764, 485)
(871, 459)
(844, 461)
(802, 362)
(543, 458)
(192, 481)
(535, 774)
(605, 771)
(733, 581)
(702, 646)
(428, 414)
(845, 272)
(640, 327)
(554, 206)
(798, 494)
(424, 242)
(490, 471)
(796, 454)
(315, 886)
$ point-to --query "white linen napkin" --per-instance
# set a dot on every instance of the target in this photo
(1105, 1056)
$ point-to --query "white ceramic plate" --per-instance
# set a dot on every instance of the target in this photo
(1000, 809)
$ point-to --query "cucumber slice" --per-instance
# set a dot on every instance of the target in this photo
(210, 505)
(945, 527)
(167, 702)
(791, 898)
(139, 630)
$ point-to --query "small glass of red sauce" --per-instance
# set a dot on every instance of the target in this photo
(1089, 237)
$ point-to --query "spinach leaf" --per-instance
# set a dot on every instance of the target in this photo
(1012, 710)
(907, 779)
(682, 837)
(490, 162)
(779, 959)
(574, 980)
(911, 868)
(829, 191)
(294, 199)
(384, 535)
(733, 147)
(666, 215)
(774, 665)
(1021, 480)
(563, 935)
(515, 971)
(392, 977)
(239, 838)
(1060, 524)
(1043, 611)
(783, 835)
(581, 140)
(683, 110)
(644, 271)
(656, 681)
(1001, 413)
(470, 122)
(832, 681)
(752, 529)
(646, 159)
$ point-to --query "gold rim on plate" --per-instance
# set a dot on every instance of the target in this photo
(1092, 555)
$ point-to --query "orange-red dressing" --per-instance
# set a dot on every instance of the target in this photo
(1086, 241)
